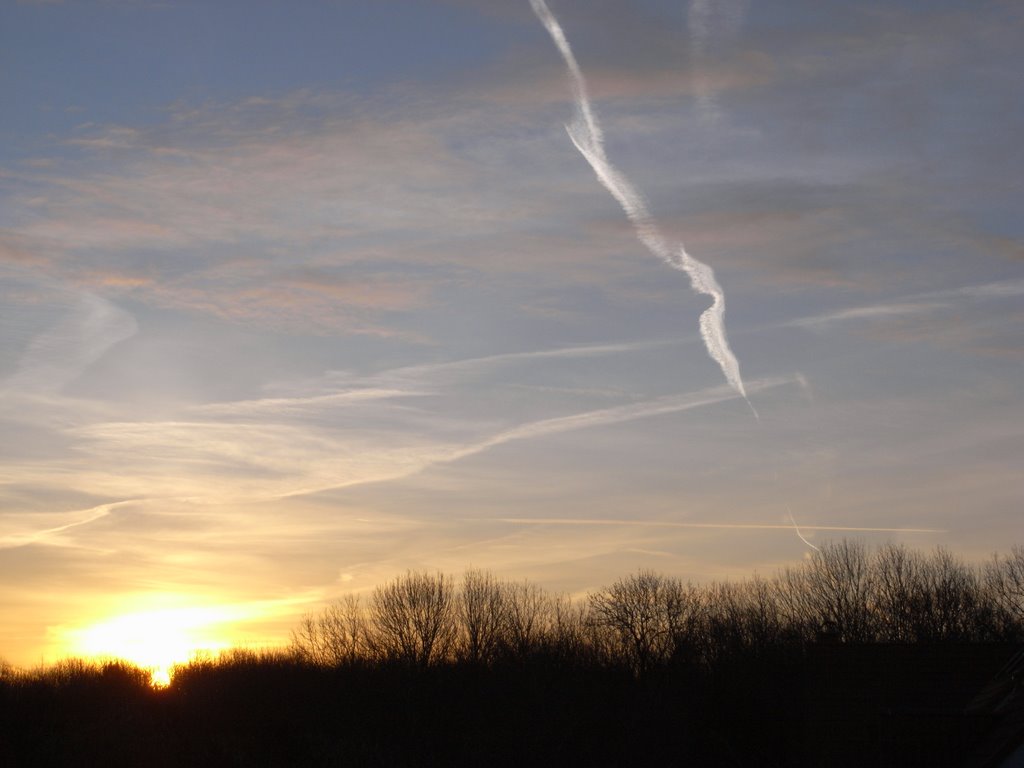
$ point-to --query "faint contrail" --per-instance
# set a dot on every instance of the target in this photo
(61, 354)
(585, 133)
(707, 21)
(728, 526)
(93, 514)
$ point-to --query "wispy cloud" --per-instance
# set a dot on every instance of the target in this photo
(871, 312)
(617, 414)
(52, 534)
(57, 356)
(267, 460)
(711, 25)
(911, 305)
(283, 406)
(710, 526)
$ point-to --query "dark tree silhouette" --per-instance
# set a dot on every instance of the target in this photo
(483, 610)
(643, 615)
(413, 618)
(337, 635)
(850, 658)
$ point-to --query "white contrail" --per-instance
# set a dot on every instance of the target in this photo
(617, 414)
(797, 529)
(585, 133)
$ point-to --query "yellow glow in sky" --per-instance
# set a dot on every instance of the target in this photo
(156, 639)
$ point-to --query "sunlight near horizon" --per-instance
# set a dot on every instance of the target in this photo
(155, 640)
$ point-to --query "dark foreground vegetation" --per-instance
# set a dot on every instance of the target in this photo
(855, 658)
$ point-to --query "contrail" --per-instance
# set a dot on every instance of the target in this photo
(797, 529)
(616, 414)
(726, 526)
(61, 354)
(585, 133)
(93, 514)
(705, 20)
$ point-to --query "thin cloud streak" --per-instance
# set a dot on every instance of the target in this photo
(35, 537)
(424, 378)
(707, 23)
(272, 461)
(596, 418)
(58, 356)
(585, 133)
(910, 305)
(285, 405)
(724, 526)
(870, 312)
(621, 413)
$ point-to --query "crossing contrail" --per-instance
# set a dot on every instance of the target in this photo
(798, 533)
(585, 133)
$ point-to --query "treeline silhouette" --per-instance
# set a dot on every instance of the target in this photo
(853, 657)
(843, 592)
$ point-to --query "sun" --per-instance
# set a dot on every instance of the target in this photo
(155, 640)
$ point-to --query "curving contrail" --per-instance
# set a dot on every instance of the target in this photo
(585, 133)
(798, 533)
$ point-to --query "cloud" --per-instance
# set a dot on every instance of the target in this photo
(279, 447)
(263, 212)
(282, 406)
(712, 27)
(912, 305)
(862, 177)
(453, 370)
(52, 535)
(58, 356)
(617, 414)
(872, 312)
(787, 527)
(324, 303)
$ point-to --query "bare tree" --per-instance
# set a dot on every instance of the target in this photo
(483, 611)
(831, 593)
(337, 635)
(414, 618)
(741, 617)
(893, 595)
(530, 616)
(1004, 585)
(642, 612)
(950, 605)
(797, 609)
(898, 592)
(762, 617)
(569, 638)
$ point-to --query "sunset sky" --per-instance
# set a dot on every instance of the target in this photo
(295, 296)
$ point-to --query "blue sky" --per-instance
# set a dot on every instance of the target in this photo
(296, 296)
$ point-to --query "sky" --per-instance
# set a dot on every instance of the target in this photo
(297, 296)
